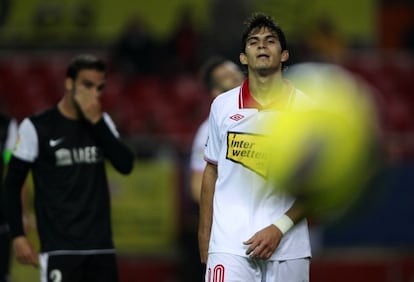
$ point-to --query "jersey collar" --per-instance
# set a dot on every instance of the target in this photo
(246, 100)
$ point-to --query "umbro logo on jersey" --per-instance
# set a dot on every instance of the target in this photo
(55, 142)
(237, 117)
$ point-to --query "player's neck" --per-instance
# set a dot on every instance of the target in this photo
(267, 90)
(67, 109)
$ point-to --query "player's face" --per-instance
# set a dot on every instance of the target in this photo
(226, 77)
(263, 52)
(88, 82)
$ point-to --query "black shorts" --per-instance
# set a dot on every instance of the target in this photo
(4, 256)
(78, 267)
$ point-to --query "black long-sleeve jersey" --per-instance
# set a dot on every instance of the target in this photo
(67, 160)
(4, 125)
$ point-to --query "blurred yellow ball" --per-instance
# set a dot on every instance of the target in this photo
(321, 151)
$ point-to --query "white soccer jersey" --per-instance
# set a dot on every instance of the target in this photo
(244, 202)
(197, 162)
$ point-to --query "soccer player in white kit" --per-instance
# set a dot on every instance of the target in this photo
(218, 75)
(249, 231)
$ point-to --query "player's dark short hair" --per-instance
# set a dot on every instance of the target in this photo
(207, 69)
(84, 61)
(257, 21)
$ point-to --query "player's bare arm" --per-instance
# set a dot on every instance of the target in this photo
(296, 212)
(196, 180)
(206, 209)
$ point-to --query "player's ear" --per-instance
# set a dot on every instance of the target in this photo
(243, 59)
(68, 84)
(285, 56)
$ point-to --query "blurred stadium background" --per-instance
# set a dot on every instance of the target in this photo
(154, 49)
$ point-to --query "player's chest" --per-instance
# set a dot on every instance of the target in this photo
(69, 147)
(246, 141)
(249, 121)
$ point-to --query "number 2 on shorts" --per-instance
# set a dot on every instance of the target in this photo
(55, 275)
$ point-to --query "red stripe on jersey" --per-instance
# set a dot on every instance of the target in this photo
(246, 100)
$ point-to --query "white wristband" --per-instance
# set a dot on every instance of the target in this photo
(284, 223)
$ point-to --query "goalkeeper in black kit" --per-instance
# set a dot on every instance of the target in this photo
(65, 148)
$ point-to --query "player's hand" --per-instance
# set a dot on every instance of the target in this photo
(89, 104)
(264, 242)
(24, 251)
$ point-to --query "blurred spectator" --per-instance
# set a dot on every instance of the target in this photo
(408, 39)
(324, 42)
(47, 17)
(225, 27)
(84, 15)
(4, 11)
(134, 53)
(48, 14)
(183, 43)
